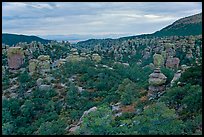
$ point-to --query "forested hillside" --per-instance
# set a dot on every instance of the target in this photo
(187, 26)
(13, 39)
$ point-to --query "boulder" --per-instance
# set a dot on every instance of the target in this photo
(49, 79)
(83, 54)
(75, 53)
(45, 87)
(73, 50)
(43, 57)
(39, 81)
(126, 64)
(13, 95)
(151, 65)
(73, 129)
(96, 58)
(15, 57)
(44, 65)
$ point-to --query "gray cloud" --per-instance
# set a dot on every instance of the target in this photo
(59, 18)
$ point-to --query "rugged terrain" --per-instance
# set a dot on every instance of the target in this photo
(133, 85)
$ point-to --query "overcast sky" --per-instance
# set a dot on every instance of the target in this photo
(98, 18)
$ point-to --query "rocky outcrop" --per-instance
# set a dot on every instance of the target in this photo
(3, 70)
(177, 75)
(58, 63)
(41, 66)
(39, 81)
(147, 53)
(158, 60)
(172, 62)
(184, 67)
(44, 64)
(170, 49)
(75, 57)
(77, 126)
(198, 51)
(96, 58)
(157, 82)
(33, 63)
(189, 54)
(15, 57)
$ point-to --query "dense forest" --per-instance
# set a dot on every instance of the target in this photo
(131, 86)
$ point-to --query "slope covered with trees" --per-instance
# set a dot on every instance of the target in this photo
(13, 39)
(191, 25)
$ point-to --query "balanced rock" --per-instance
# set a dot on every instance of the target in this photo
(157, 82)
(15, 57)
(157, 78)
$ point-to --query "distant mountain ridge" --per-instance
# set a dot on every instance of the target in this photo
(191, 25)
(13, 39)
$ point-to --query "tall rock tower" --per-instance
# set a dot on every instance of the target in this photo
(15, 57)
(156, 83)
